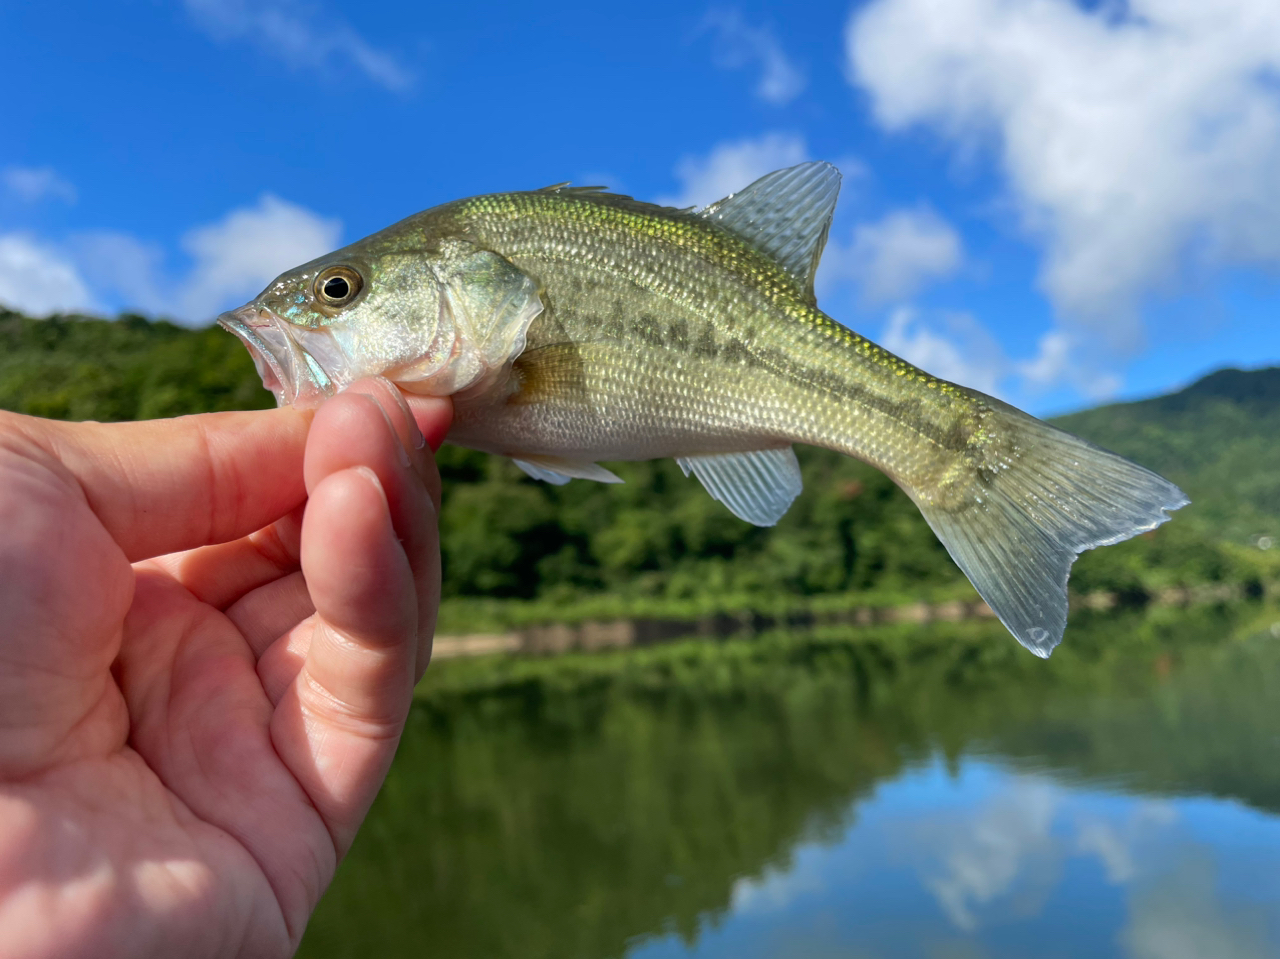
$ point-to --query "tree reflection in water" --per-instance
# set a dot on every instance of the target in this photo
(579, 807)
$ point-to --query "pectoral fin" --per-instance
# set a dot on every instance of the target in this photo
(557, 471)
(758, 487)
(551, 374)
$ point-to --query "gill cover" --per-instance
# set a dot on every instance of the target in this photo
(485, 310)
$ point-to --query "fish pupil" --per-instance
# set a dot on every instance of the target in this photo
(336, 288)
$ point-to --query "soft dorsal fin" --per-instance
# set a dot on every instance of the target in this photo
(785, 215)
(758, 486)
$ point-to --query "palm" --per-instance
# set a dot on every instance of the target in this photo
(186, 743)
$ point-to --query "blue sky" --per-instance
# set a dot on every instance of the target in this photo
(1058, 203)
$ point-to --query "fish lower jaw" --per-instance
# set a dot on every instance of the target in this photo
(291, 373)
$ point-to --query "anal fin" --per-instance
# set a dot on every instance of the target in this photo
(758, 486)
(557, 471)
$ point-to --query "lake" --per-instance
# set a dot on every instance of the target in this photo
(896, 791)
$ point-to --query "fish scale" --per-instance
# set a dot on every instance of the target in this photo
(573, 326)
(723, 289)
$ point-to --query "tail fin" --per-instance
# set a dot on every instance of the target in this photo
(1032, 515)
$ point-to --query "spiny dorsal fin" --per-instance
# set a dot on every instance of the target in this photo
(566, 188)
(758, 486)
(785, 215)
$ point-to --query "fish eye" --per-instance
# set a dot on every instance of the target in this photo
(337, 286)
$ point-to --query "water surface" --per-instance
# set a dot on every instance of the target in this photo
(929, 792)
(984, 860)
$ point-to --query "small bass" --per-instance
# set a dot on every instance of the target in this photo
(571, 326)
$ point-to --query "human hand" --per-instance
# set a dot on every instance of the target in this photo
(210, 631)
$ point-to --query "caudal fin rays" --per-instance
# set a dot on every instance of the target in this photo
(1018, 536)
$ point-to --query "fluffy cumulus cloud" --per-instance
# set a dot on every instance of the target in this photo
(1065, 356)
(37, 278)
(33, 184)
(1119, 845)
(299, 35)
(1139, 140)
(738, 45)
(237, 256)
(952, 346)
(1179, 913)
(893, 258)
(231, 260)
(731, 166)
(974, 865)
(890, 259)
(125, 270)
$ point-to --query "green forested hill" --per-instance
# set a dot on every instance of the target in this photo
(660, 540)
(131, 368)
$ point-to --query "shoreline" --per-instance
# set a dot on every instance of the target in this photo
(551, 639)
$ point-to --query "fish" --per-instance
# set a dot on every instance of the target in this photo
(571, 326)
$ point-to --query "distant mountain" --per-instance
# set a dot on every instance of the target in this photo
(1219, 439)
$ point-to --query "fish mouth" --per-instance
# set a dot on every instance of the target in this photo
(295, 375)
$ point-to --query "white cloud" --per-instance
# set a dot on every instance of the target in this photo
(1064, 357)
(1006, 845)
(1138, 139)
(1179, 913)
(38, 279)
(299, 36)
(1119, 846)
(231, 260)
(125, 267)
(32, 184)
(237, 256)
(951, 346)
(731, 166)
(739, 45)
(781, 885)
(892, 259)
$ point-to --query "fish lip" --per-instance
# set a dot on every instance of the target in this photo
(243, 323)
(291, 374)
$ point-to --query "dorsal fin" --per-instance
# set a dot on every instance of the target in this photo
(566, 188)
(785, 215)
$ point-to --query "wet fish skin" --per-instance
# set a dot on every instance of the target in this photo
(573, 326)
(674, 338)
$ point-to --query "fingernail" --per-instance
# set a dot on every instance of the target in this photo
(372, 477)
(400, 450)
(415, 436)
